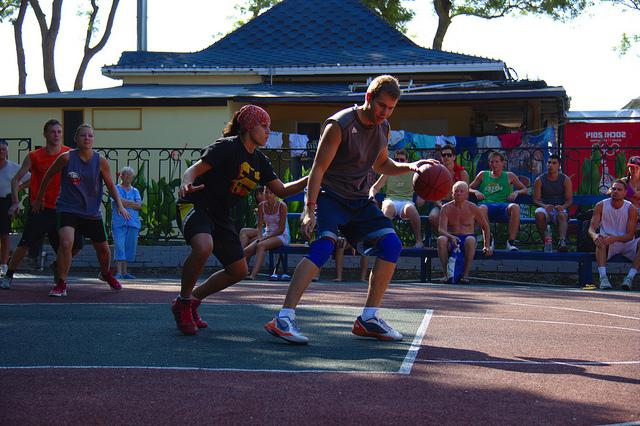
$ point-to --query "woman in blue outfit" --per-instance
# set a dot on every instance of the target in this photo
(125, 231)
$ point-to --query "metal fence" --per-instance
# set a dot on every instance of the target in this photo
(159, 171)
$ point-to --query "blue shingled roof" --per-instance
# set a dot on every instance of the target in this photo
(306, 33)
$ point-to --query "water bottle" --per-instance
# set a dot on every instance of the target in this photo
(43, 260)
(548, 240)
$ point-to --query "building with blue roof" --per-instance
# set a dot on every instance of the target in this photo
(302, 60)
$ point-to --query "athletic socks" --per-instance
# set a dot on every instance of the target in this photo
(287, 312)
(602, 271)
(368, 313)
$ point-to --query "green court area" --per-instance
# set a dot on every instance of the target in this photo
(144, 335)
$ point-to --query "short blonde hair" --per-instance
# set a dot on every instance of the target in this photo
(82, 126)
(459, 183)
(385, 83)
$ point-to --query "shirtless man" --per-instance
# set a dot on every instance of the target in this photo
(456, 227)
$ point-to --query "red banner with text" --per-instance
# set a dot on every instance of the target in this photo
(596, 153)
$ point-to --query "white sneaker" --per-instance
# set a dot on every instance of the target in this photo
(287, 329)
(376, 328)
(627, 283)
(605, 284)
(511, 247)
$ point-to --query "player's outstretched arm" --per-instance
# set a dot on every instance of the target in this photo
(189, 176)
(284, 190)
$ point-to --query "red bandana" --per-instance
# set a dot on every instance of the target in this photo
(251, 116)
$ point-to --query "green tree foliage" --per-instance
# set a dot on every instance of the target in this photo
(627, 41)
(491, 9)
(391, 11)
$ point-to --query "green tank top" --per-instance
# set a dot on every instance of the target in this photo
(400, 187)
(495, 190)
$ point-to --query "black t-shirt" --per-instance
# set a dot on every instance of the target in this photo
(234, 174)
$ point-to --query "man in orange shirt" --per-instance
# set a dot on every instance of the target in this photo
(43, 222)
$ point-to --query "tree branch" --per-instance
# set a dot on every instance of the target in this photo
(20, 56)
(90, 52)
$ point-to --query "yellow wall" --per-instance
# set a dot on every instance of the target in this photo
(164, 127)
(160, 126)
(433, 120)
(197, 126)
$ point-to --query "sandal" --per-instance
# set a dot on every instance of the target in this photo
(464, 280)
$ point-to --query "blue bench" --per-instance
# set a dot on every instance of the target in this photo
(426, 255)
(584, 260)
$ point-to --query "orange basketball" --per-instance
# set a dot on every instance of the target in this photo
(433, 182)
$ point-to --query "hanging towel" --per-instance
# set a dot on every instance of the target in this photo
(298, 144)
(397, 136)
(467, 143)
(489, 142)
(511, 140)
(274, 141)
(424, 141)
(547, 137)
(444, 140)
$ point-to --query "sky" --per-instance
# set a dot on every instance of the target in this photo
(578, 55)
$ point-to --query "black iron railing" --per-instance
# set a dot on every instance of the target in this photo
(159, 171)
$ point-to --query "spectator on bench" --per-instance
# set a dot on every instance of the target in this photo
(272, 213)
(398, 202)
(249, 235)
(458, 173)
(494, 190)
(553, 193)
(616, 218)
(456, 227)
(633, 181)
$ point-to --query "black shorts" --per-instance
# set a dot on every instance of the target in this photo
(5, 219)
(88, 227)
(226, 242)
(44, 223)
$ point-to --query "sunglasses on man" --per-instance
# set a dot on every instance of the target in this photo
(447, 154)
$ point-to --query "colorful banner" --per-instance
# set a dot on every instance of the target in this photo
(596, 153)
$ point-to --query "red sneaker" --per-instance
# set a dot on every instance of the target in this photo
(59, 290)
(200, 323)
(183, 315)
(111, 280)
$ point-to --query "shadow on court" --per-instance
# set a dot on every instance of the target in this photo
(144, 335)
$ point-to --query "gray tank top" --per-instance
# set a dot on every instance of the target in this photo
(81, 186)
(552, 190)
(358, 150)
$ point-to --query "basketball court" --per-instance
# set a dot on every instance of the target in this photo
(472, 354)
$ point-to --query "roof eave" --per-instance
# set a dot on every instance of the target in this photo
(119, 72)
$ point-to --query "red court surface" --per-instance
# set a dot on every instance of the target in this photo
(489, 355)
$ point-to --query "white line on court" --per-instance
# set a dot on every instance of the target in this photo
(232, 370)
(363, 372)
(573, 310)
(539, 321)
(550, 362)
(409, 359)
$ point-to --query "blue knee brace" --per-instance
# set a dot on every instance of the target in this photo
(320, 251)
(389, 247)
